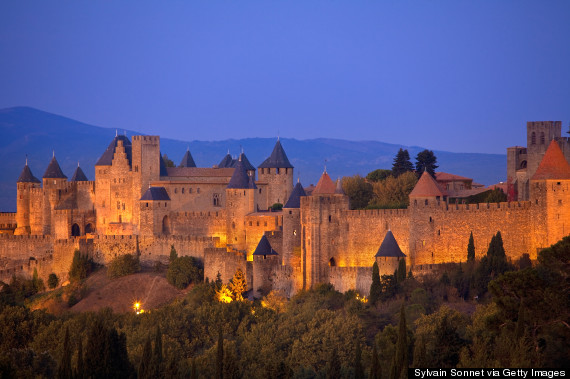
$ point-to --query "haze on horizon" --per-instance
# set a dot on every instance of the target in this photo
(461, 76)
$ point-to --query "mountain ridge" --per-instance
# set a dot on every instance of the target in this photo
(36, 134)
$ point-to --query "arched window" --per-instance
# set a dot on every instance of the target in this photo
(332, 262)
(75, 231)
(88, 228)
(542, 138)
(166, 225)
(523, 164)
(533, 138)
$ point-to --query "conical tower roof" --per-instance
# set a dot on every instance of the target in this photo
(426, 187)
(264, 247)
(294, 200)
(107, 158)
(187, 160)
(325, 186)
(226, 162)
(389, 247)
(26, 176)
(240, 179)
(79, 175)
(277, 159)
(53, 171)
(248, 166)
(155, 193)
(553, 165)
(338, 190)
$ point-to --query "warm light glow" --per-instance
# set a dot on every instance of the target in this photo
(224, 295)
(361, 298)
(137, 306)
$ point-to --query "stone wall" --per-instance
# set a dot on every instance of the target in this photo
(351, 278)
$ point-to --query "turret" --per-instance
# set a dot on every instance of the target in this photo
(241, 196)
(79, 175)
(389, 255)
(54, 181)
(154, 212)
(265, 259)
(25, 183)
(292, 227)
(277, 173)
(426, 192)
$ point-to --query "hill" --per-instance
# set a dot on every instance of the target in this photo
(37, 134)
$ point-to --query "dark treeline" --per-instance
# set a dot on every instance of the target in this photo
(521, 319)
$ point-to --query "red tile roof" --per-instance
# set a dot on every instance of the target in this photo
(426, 187)
(325, 186)
(553, 165)
(447, 177)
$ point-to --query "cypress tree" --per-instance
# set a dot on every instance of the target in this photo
(220, 357)
(80, 369)
(400, 362)
(401, 274)
(173, 253)
(471, 249)
(96, 346)
(171, 368)
(157, 358)
(64, 369)
(334, 366)
(375, 369)
(145, 365)
(402, 163)
(193, 371)
(358, 370)
(376, 286)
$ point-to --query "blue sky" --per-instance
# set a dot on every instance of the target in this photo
(448, 75)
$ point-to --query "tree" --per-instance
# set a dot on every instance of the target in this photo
(145, 370)
(173, 254)
(401, 271)
(402, 163)
(184, 270)
(358, 190)
(376, 286)
(64, 369)
(496, 196)
(220, 356)
(426, 161)
(471, 249)
(524, 261)
(157, 362)
(378, 175)
(375, 370)
(53, 281)
(358, 370)
(81, 266)
(238, 285)
(393, 192)
(400, 362)
(80, 369)
(123, 265)
(334, 368)
(167, 161)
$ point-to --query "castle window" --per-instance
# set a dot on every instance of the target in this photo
(123, 206)
(559, 202)
(290, 212)
(286, 170)
(165, 204)
(251, 223)
(294, 232)
(439, 232)
(147, 205)
(332, 263)
(330, 218)
(533, 138)
(118, 205)
(277, 171)
(182, 189)
(542, 138)
(115, 180)
(426, 202)
(176, 190)
(430, 220)
(260, 190)
(198, 190)
(269, 171)
(216, 200)
(257, 223)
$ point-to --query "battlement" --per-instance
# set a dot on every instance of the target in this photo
(24, 237)
(544, 124)
(322, 199)
(201, 214)
(153, 139)
(374, 213)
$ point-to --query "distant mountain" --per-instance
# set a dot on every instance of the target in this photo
(38, 134)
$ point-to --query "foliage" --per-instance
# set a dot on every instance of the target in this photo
(426, 161)
(274, 301)
(496, 196)
(81, 267)
(183, 271)
(358, 190)
(53, 281)
(378, 175)
(123, 265)
(400, 274)
(173, 254)
(64, 368)
(393, 192)
(276, 207)
(402, 163)
(400, 362)
(238, 285)
(167, 161)
(19, 290)
(471, 248)
(375, 287)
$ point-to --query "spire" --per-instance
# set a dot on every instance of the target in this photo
(53, 171)
(553, 165)
(264, 247)
(277, 159)
(79, 175)
(240, 179)
(187, 160)
(325, 186)
(389, 247)
(294, 200)
(26, 176)
(226, 162)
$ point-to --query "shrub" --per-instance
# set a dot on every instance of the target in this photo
(277, 207)
(81, 266)
(184, 270)
(123, 265)
(53, 281)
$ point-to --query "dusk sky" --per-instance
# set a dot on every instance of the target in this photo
(447, 75)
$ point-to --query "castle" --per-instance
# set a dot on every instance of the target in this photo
(224, 216)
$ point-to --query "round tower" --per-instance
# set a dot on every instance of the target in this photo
(276, 173)
(54, 183)
(292, 227)
(25, 183)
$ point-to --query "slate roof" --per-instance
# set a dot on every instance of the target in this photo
(155, 193)
(338, 190)
(277, 159)
(163, 171)
(79, 175)
(107, 158)
(26, 176)
(325, 186)
(187, 160)
(226, 161)
(53, 171)
(248, 166)
(294, 200)
(389, 247)
(264, 247)
(240, 179)
(426, 187)
(553, 165)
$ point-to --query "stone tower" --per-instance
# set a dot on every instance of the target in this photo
(26, 182)
(154, 212)
(292, 227)
(389, 255)
(321, 216)
(54, 183)
(241, 199)
(277, 173)
(146, 161)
